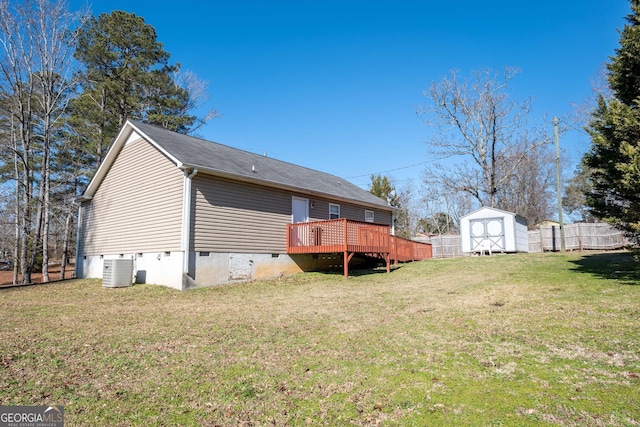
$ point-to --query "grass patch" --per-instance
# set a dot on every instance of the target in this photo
(531, 339)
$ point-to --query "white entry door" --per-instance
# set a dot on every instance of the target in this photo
(299, 213)
(299, 210)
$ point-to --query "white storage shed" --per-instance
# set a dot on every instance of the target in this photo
(493, 230)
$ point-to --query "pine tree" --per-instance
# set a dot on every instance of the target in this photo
(614, 157)
(383, 188)
(127, 75)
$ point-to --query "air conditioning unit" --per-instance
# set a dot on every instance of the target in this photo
(117, 273)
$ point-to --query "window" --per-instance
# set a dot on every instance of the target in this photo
(334, 211)
(368, 216)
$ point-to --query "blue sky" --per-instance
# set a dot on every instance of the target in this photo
(334, 85)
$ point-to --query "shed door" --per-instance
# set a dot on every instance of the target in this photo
(491, 229)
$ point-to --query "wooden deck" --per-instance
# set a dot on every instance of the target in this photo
(353, 237)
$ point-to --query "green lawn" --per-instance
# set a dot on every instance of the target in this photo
(527, 339)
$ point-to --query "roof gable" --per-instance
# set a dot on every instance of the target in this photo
(497, 211)
(208, 157)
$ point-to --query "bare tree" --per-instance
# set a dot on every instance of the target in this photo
(55, 29)
(17, 90)
(442, 207)
(198, 94)
(583, 111)
(528, 191)
(484, 134)
(36, 63)
(6, 231)
(580, 184)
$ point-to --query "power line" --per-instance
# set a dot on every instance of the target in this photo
(390, 170)
(366, 185)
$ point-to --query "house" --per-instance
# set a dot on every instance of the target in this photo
(191, 212)
(493, 230)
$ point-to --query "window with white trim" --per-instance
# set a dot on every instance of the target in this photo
(334, 211)
(368, 216)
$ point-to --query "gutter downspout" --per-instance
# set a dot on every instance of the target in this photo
(185, 243)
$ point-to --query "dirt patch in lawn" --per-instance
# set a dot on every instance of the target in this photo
(6, 277)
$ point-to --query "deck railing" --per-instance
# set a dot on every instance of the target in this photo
(404, 250)
(349, 237)
(337, 235)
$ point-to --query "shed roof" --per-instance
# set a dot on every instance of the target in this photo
(189, 152)
(495, 211)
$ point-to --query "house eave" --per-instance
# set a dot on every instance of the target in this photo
(271, 184)
(83, 198)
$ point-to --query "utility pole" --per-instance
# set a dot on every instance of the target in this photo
(559, 183)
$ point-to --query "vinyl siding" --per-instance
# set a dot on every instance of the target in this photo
(347, 210)
(138, 206)
(232, 216)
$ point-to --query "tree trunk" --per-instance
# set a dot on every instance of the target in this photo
(38, 219)
(65, 246)
(45, 226)
(25, 267)
(46, 175)
(16, 243)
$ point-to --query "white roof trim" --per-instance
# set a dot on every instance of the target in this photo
(501, 211)
(152, 142)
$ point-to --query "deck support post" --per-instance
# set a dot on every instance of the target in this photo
(347, 258)
(352, 237)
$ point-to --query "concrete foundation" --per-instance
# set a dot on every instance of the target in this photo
(210, 268)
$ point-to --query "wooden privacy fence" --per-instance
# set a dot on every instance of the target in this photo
(404, 250)
(444, 245)
(350, 237)
(579, 236)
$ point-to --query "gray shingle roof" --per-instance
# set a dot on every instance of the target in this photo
(212, 157)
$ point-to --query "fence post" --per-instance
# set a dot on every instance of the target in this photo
(579, 236)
